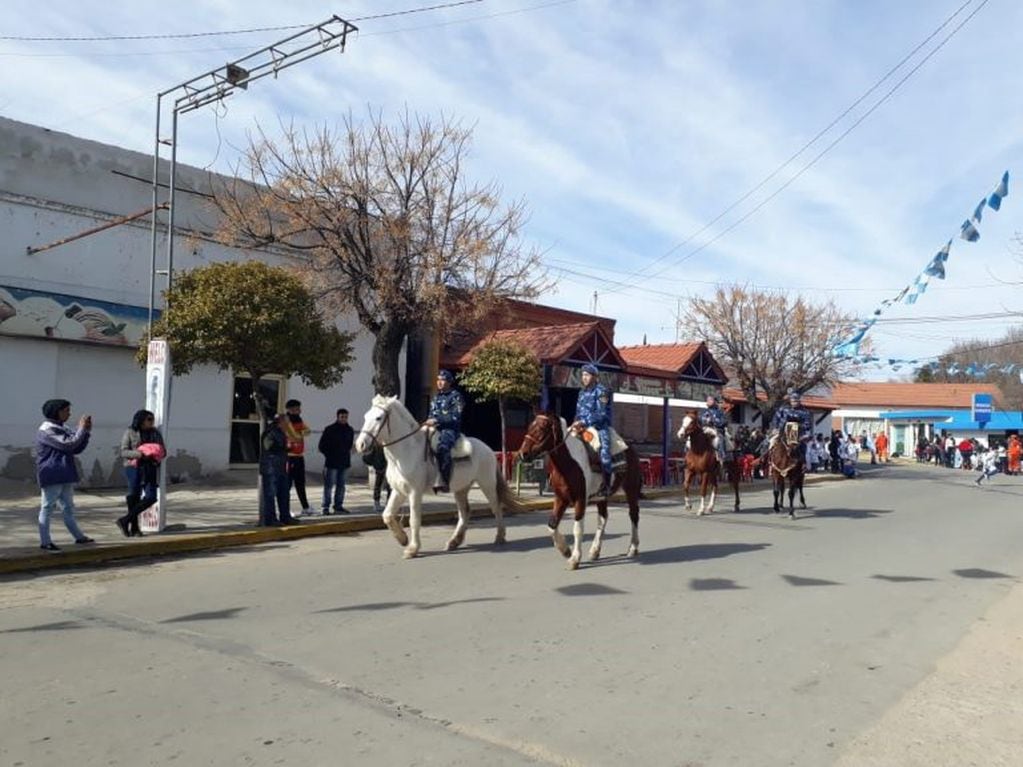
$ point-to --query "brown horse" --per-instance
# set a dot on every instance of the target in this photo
(574, 482)
(786, 464)
(702, 459)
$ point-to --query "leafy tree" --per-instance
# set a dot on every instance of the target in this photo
(503, 370)
(770, 343)
(991, 356)
(391, 227)
(251, 318)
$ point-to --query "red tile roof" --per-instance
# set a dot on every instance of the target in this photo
(911, 395)
(812, 402)
(551, 343)
(673, 357)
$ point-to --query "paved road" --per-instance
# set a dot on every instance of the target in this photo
(735, 639)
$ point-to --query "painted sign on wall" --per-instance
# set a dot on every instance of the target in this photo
(41, 314)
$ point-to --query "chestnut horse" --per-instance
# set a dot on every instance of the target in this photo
(786, 466)
(574, 482)
(702, 459)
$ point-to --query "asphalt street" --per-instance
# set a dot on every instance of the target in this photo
(734, 639)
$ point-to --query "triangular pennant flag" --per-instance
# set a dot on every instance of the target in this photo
(978, 212)
(1001, 191)
(969, 232)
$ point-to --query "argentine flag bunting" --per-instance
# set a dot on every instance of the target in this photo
(969, 231)
(1001, 191)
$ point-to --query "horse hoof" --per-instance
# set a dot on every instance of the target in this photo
(453, 544)
(594, 555)
(633, 551)
(792, 515)
(402, 539)
(410, 553)
(500, 539)
(573, 563)
(802, 505)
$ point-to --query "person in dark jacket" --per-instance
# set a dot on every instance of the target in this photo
(376, 459)
(273, 470)
(336, 446)
(833, 450)
(56, 448)
(141, 469)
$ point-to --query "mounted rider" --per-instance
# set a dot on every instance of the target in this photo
(794, 412)
(446, 418)
(714, 420)
(593, 410)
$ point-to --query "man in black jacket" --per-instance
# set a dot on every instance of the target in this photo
(336, 446)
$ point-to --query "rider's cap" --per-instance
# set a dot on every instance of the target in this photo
(590, 368)
(793, 394)
(446, 375)
(713, 397)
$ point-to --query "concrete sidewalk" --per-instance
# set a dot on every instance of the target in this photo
(205, 516)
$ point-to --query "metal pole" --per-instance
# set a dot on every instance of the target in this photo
(170, 198)
(665, 428)
(156, 194)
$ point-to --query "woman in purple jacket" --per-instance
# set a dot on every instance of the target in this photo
(56, 448)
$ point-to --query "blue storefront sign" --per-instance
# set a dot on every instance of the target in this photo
(982, 407)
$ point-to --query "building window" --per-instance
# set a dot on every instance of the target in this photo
(245, 417)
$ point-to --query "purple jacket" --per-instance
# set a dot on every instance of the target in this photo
(56, 446)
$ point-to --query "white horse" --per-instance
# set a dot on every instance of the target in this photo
(410, 473)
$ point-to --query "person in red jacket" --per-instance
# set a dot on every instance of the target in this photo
(966, 451)
(296, 431)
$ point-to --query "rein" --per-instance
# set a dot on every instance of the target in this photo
(545, 453)
(383, 423)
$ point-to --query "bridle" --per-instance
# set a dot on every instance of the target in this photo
(548, 451)
(383, 422)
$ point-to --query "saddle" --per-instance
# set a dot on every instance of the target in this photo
(460, 451)
(591, 439)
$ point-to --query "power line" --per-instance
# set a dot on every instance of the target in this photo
(226, 32)
(639, 273)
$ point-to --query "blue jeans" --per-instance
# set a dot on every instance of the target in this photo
(141, 494)
(276, 489)
(50, 495)
(334, 480)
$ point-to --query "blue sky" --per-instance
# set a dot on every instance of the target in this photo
(627, 126)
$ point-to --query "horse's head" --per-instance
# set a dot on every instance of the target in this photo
(690, 424)
(542, 436)
(376, 427)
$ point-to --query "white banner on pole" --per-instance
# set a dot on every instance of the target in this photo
(154, 519)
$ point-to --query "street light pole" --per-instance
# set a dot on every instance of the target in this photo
(208, 88)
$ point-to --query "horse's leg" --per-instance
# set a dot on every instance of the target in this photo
(598, 539)
(704, 480)
(802, 499)
(792, 498)
(778, 489)
(713, 483)
(552, 524)
(577, 534)
(415, 521)
(735, 482)
(458, 536)
(632, 490)
(390, 516)
(686, 482)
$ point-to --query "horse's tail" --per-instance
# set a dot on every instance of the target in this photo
(508, 500)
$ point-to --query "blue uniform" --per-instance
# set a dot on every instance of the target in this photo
(446, 410)
(593, 408)
(715, 418)
(800, 415)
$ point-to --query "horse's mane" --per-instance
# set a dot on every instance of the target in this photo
(394, 405)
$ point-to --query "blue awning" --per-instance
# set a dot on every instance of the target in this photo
(928, 416)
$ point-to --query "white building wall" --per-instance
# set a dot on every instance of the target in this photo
(52, 186)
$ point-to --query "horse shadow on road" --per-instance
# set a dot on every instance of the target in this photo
(690, 553)
(842, 513)
(377, 606)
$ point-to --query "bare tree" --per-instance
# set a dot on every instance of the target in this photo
(771, 343)
(390, 226)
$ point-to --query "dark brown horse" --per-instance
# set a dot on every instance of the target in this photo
(785, 462)
(574, 483)
(702, 460)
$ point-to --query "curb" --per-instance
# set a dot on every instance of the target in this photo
(154, 546)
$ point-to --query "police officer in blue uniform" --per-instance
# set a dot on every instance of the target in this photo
(446, 417)
(593, 409)
(714, 417)
(794, 411)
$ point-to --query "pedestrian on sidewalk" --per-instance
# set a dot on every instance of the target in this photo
(1015, 452)
(56, 448)
(881, 443)
(296, 432)
(376, 460)
(142, 450)
(273, 471)
(336, 446)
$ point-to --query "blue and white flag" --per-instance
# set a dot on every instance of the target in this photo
(937, 266)
(1001, 192)
(978, 212)
(969, 232)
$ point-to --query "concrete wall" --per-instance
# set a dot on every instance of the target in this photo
(53, 185)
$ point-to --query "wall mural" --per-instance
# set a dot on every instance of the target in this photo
(40, 314)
